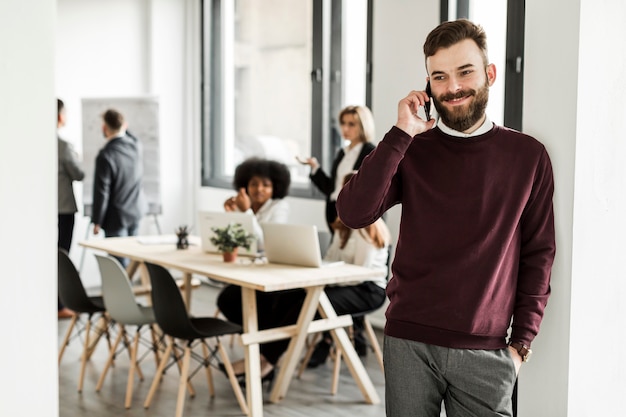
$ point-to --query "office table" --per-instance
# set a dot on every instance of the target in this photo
(253, 277)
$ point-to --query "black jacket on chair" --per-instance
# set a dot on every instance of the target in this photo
(326, 184)
(117, 189)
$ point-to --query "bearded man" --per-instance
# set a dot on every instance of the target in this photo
(476, 243)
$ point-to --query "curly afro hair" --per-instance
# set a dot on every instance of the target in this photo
(277, 172)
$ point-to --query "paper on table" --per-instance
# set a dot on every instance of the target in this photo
(158, 240)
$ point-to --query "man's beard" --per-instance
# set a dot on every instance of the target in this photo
(462, 118)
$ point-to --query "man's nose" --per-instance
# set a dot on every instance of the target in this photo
(454, 84)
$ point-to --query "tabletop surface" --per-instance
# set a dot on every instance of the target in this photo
(264, 277)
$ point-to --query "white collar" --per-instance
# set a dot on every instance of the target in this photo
(356, 149)
(484, 128)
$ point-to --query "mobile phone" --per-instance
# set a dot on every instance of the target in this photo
(427, 104)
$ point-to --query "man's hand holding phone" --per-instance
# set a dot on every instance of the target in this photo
(408, 119)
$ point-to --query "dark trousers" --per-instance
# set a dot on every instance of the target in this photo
(282, 308)
(66, 231)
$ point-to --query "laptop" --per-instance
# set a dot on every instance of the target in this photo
(209, 219)
(293, 244)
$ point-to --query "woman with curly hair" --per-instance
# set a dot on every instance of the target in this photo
(261, 185)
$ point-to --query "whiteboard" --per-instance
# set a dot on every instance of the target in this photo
(142, 117)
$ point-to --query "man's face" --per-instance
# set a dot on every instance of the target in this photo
(460, 85)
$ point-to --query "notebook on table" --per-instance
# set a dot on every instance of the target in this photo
(293, 244)
(209, 219)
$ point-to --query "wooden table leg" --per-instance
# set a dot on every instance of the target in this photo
(187, 289)
(290, 360)
(132, 268)
(254, 392)
(340, 337)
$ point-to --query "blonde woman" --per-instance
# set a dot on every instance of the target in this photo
(357, 128)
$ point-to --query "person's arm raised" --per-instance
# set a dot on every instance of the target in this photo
(408, 120)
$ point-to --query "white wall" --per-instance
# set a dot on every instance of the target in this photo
(581, 82)
(28, 210)
(121, 48)
(550, 74)
(599, 227)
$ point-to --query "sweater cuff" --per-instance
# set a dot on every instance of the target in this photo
(398, 139)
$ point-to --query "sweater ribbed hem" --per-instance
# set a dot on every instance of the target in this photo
(442, 337)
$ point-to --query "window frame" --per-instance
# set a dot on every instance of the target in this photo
(326, 90)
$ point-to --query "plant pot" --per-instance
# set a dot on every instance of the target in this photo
(230, 256)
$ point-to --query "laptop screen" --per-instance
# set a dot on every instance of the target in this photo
(293, 244)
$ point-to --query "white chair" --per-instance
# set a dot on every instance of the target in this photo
(122, 307)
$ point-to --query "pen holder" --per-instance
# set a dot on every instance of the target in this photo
(182, 233)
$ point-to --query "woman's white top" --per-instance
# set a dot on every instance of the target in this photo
(345, 167)
(360, 251)
(273, 211)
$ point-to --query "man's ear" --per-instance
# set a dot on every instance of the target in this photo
(491, 74)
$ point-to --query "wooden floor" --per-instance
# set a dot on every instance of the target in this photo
(308, 396)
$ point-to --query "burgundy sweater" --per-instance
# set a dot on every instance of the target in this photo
(476, 241)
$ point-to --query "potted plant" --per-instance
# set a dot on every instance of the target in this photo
(229, 238)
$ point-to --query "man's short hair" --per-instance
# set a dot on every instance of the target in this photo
(450, 33)
(113, 119)
(60, 106)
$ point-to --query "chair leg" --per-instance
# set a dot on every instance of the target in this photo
(209, 375)
(241, 399)
(84, 356)
(336, 369)
(374, 342)
(101, 327)
(66, 339)
(182, 384)
(308, 354)
(137, 367)
(131, 371)
(155, 343)
(159, 374)
(192, 391)
(110, 359)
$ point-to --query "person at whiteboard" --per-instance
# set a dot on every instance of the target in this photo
(69, 170)
(261, 186)
(357, 128)
(117, 190)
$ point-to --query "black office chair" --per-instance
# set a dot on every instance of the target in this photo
(73, 295)
(172, 317)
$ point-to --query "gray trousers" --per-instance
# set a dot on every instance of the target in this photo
(418, 377)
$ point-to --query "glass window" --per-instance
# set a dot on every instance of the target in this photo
(273, 77)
